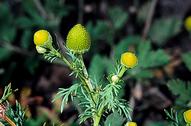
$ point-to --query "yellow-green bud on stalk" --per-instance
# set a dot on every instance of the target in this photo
(187, 23)
(131, 124)
(43, 38)
(78, 39)
(115, 78)
(40, 49)
(129, 60)
(187, 116)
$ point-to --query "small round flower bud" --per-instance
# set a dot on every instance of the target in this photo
(40, 49)
(129, 60)
(78, 39)
(187, 116)
(131, 124)
(115, 78)
(187, 23)
(42, 38)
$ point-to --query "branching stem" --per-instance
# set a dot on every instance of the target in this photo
(84, 78)
(97, 117)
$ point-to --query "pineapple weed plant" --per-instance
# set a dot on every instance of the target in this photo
(93, 96)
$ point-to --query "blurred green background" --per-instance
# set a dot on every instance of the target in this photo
(153, 29)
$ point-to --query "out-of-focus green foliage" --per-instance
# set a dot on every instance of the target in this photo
(182, 90)
(102, 31)
(8, 30)
(97, 62)
(16, 36)
(164, 28)
(17, 30)
(120, 15)
(143, 12)
(187, 60)
(111, 120)
(35, 122)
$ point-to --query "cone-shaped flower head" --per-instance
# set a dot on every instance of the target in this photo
(129, 60)
(78, 39)
(187, 116)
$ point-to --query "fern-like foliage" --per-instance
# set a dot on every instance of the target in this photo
(51, 57)
(87, 104)
(172, 117)
(112, 102)
(7, 92)
(66, 94)
(17, 115)
(181, 89)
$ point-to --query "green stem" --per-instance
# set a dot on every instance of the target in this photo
(84, 78)
(122, 71)
(96, 120)
(63, 58)
(86, 73)
(97, 117)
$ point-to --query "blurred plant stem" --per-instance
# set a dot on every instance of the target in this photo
(41, 9)
(7, 119)
(16, 49)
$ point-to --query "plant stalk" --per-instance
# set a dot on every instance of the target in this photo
(122, 71)
(97, 117)
(7, 119)
(85, 80)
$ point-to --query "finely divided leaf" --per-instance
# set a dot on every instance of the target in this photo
(181, 89)
(163, 29)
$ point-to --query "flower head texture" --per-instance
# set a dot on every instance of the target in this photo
(187, 116)
(41, 37)
(78, 39)
(187, 23)
(131, 124)
(129, 59)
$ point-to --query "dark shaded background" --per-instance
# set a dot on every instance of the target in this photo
(37, 79)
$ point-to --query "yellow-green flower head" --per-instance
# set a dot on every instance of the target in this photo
(187, 116)
(78, 39)
(42, 38)
(129, 59)
(131, 124)
(187, 23)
